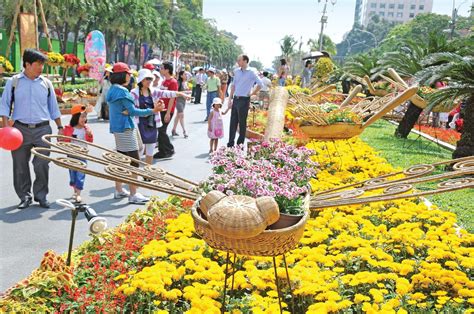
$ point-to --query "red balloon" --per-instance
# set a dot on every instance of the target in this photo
(1, 137)
(10, 138)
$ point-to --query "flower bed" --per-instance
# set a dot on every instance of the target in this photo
(395, 257)
(449, 136)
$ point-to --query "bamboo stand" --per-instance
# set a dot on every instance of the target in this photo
(14, 24)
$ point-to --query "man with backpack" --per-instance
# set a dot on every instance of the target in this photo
(30, 102)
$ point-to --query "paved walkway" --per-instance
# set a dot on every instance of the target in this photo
(26, 234)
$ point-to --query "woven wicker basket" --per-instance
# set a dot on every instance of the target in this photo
(332, 131)
(419, 102)
(267, 243)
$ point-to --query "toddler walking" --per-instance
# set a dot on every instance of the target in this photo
(79, 129)
(215, 126)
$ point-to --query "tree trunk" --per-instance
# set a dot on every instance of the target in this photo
(409, 119)
(122, 48)
(130, 49)
(465, 146)
(66, 35)
(74, 48)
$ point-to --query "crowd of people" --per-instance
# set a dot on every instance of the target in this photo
(138, 110)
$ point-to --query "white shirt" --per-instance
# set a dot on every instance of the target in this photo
(79, 134)
(266, 84)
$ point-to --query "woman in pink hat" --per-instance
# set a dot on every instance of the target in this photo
(121, 110)
(145, 96)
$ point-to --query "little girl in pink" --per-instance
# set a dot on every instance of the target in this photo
(215, 126)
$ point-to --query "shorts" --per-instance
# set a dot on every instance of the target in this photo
(133, 154)
(263, 95)
(149, 148)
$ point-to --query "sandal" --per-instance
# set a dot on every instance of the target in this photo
(78, 199)
(185, 135)
(173, 133)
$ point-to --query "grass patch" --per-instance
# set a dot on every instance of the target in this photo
(406, 152)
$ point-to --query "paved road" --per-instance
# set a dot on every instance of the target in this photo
(26, 234)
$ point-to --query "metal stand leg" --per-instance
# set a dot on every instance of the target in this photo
(353, 152)
(233, 271)
(327, 150)
(339, 154)
(289, 285)
(74, 214)
(277, 283)
(226, 275)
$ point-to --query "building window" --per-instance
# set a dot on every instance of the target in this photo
(371, 13)
(421, 7)
(382, 5)
(373, 5)
(400, 6)
(413, 7)
(390, 14)
(391, 6)
(412, 14)
(381, 13)
(400, 14)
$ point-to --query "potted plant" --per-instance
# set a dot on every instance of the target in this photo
(5, 65)
(272, 168)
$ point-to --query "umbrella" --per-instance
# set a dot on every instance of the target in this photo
(155, 61)
(317, 55)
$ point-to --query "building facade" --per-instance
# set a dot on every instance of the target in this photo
(399, 11)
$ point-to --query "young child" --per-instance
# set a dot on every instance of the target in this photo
(79, 129)
(215, 126)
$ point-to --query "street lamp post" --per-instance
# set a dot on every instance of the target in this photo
(324, 20)
(372, 34)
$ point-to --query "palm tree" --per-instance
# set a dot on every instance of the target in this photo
(328, 45)
(287, 46)
(408, 61)
(361, 65)
(458, 71)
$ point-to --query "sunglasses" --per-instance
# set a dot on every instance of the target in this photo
(149, 79)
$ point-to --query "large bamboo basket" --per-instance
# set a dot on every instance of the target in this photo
(335, 131)
(422, 103)
(322, 131)
(268, 243)
(417, 100)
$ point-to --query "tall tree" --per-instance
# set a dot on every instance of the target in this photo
(287, 46)
(458, 71)
(328, 45)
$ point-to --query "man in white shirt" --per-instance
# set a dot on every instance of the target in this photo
(239, 99)
(264, 95)
(200, 81)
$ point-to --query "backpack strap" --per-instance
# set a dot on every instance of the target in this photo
(15, 79)
(48, 83)
(12, 97)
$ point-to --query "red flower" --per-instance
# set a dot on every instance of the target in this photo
(71, 58)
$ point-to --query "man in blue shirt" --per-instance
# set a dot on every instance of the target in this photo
(239, 98)
(31, 106)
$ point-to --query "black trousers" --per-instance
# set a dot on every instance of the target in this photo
(198, 92)
(164, 144)
(240, 110)
(21, 168)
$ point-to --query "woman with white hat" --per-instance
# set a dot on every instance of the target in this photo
(145, 96)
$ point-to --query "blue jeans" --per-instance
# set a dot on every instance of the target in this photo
(210, 98)
(76, 179)
(281, 81)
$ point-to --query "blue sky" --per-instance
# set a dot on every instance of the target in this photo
(260, 24)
